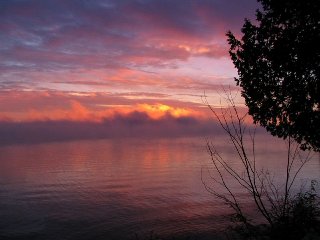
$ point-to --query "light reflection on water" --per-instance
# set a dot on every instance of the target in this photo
(111, 189)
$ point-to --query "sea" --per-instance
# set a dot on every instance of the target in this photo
(128, 188)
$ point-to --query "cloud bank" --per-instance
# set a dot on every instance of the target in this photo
(134, 125)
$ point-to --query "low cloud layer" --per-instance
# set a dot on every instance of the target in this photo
(136, 124)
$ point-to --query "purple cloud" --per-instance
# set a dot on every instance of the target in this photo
(54, 36)
(135, 125)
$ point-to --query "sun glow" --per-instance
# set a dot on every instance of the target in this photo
(158, 111)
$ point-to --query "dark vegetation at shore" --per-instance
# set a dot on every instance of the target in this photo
(301, 222)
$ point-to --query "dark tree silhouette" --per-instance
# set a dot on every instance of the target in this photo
(280, 213)
(278, 63)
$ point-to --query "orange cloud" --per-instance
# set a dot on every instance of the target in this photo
(28, 106)
(78, 112)
(75, 113)
(158, 111)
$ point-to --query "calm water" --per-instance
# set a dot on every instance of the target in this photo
(112, 189)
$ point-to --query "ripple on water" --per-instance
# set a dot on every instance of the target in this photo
(98, 190)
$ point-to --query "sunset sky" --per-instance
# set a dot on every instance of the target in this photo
(77, 69)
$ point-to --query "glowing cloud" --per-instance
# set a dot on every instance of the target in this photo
(158, 111)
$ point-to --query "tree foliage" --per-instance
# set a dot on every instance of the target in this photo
(278, 63)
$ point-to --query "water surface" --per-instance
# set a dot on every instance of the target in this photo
(113, 189)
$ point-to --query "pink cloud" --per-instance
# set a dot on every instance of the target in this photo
(91, 107)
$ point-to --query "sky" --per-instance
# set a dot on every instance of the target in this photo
(105, 68)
